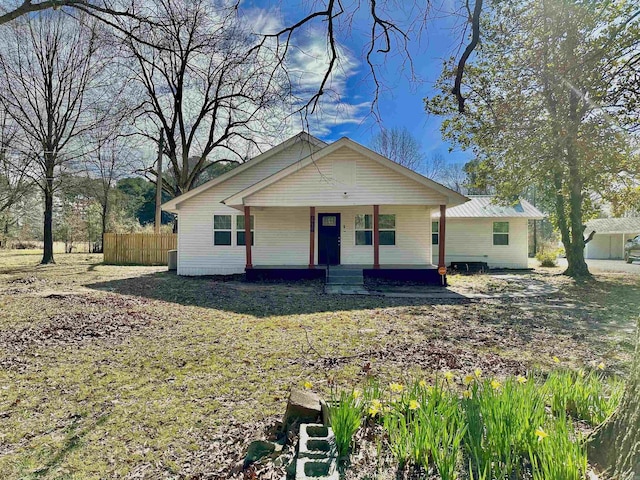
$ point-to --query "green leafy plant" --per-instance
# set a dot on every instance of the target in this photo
(400, 439)
(501, 423)
(559, 454)
(585, 396)
(345, 416)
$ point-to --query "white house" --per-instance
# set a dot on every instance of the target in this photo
(308, 204)
(610, 237)
(483, 231)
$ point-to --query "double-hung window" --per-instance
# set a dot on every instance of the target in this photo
(364, 229)
(240, 231)
(222, 229)
(501, 233)
(435, 233)
(387, 228)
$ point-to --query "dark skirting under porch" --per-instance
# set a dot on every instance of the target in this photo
(284, 272)
(426, 276)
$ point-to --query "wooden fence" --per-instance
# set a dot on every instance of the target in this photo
(138, 248)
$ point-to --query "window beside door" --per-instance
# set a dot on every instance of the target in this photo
(386, 227)
(364, 229)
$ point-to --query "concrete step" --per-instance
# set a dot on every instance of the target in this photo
(345, 280)
(351, 272)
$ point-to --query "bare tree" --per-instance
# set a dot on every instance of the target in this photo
(434, 167)
(455, 178)
(113, 156)
(201, 87)
(14, 177)
(48, 64)
(399, 145)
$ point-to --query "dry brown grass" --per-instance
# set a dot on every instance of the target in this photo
(133, 372)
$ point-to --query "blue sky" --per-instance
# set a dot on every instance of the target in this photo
(401, 102)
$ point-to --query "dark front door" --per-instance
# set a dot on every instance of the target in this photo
(329, 238)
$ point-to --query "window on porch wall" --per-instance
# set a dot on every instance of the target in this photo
(387, 228)
(222, 230)
(435, 233)
(364, 229)
(240, 232)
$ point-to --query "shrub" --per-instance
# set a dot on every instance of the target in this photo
(547, 258)
(345, 416)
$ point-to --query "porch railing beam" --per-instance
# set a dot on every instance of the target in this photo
(441, 235)
(376, 236)
(247, 235)
(312, 236)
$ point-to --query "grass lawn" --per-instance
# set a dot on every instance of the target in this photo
(132, 372)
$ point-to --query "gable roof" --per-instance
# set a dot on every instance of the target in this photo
(614, 225)
(172, 204)
(483, 206)
(238, 198)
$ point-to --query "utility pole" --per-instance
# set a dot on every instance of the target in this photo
(159, 185)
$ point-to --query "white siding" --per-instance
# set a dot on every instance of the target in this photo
(607, 246)
(196, 252)
(472, 239)
(332, 181)
(282, 238)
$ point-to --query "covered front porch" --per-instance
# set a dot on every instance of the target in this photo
(392, 242)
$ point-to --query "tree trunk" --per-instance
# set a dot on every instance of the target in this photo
(577, 266)
(105, 214)
(47, 256)
(614, 447)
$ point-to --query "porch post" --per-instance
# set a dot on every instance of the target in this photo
(376, 237)
(441, 235)
(247, 235)
(312, 238)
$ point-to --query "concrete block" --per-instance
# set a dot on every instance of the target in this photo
(316, 441)
(316, 469)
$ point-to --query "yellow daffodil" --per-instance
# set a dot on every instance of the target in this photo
(466, 394)
(375, 407)
(307, 385)
(468, 379)
(521, 380)
(477, 372)
(581, 373)
(396, 387)
(356, 393)
(495, 384)
(422, 383)
(601, 366)
(556, 359)
(448, 376)
(413, 405)
(541, 434)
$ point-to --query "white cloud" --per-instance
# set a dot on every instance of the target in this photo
(307, 63)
